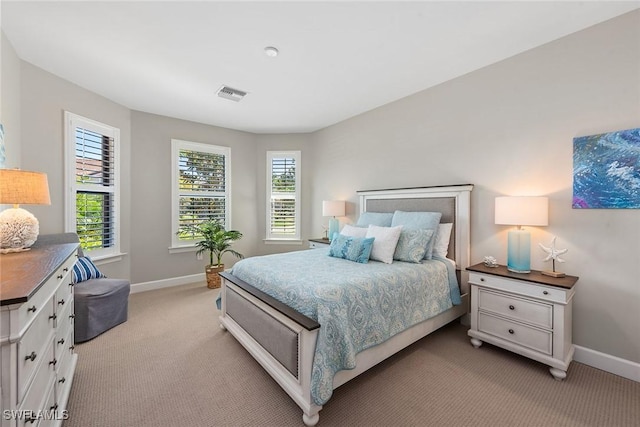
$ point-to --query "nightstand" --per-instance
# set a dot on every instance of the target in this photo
(319, 243)
(526, 313)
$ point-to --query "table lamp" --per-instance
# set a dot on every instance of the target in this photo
(519, 211)
(18, 227)
(333, 208)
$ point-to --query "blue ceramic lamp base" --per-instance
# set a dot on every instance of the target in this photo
(334, 227)
(519, 251)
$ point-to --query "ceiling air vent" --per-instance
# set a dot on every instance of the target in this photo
(231, 93)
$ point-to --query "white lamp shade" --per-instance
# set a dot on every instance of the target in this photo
(333, 208)
(522, 210)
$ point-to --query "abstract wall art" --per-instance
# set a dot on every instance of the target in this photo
(606, 170)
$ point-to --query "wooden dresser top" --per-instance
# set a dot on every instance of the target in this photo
(23, 273)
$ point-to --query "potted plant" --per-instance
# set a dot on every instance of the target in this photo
(217, 241)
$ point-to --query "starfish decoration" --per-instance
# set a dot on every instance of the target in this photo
(552, 252)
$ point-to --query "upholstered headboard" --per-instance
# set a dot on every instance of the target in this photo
(452, 201)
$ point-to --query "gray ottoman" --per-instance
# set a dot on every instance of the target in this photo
(100, 304)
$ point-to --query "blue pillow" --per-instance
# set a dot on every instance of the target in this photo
(85, 269)
(380, 219)
(412, 245)
(357, 249)
(421, 220)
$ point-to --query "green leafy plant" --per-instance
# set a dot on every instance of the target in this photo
(216, 240)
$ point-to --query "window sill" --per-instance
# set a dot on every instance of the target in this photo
(282, 241)
(181, 249)
(107, 259)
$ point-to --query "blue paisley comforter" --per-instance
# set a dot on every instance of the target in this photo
(357, 305)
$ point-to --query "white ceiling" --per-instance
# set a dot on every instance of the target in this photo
(337, 59)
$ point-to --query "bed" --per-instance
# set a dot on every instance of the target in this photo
(285, 338)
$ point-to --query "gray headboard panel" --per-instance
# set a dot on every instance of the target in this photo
(452, 201)
(445, 205)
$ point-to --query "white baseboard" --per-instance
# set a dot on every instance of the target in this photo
(166, 283)
(606, 362)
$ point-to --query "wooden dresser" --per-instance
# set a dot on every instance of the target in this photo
(36, 335)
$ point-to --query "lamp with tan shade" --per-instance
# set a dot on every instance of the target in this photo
(18, 227)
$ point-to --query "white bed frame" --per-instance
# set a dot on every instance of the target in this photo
(299, 386)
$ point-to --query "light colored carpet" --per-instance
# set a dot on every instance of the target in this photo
(171, 365)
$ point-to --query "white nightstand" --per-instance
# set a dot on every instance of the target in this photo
(319, 243)
(527, 313)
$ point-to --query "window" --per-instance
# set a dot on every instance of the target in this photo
(283, 195)
(201, 188)
(93, 182)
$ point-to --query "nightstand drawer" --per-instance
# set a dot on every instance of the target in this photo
(523, 335)
(522, 287)
(528, 311)
(321, 244)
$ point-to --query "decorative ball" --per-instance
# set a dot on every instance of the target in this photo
(18, 228)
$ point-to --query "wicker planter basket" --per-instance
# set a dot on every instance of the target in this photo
(213, 278)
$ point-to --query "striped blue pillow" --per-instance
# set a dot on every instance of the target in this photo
(85, 269)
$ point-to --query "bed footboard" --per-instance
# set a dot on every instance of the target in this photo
(281, 339)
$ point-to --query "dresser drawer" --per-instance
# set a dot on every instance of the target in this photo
(535, 313)
(521, 287)
(65, 325)
(64, 295)
(60, 278)
(533, 338)
(64, 373)
(31, 349)
(50, 405)
(36, 396)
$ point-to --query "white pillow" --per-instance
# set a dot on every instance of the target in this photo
(351, 231)
(441, 246)
(384, 245)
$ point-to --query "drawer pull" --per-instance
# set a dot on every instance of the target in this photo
(545, 292)
(53, 362)
(72, 316)
(482, 279)
(54, 407)
(72, 347)
(511, 331)
(65, 269)
(61, 302)
(62, 380)
(31, 419)
(61, 341)
(32, 308)
(31, 357)
(53, 316)
(60, 276)
(511, 307)
(71, 284)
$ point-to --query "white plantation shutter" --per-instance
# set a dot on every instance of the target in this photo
(93, 182)
(283, 198)
(201, 187)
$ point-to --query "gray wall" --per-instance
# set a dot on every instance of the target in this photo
(45, 97)
(10, 103)
(509, 129)
(151, 186)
